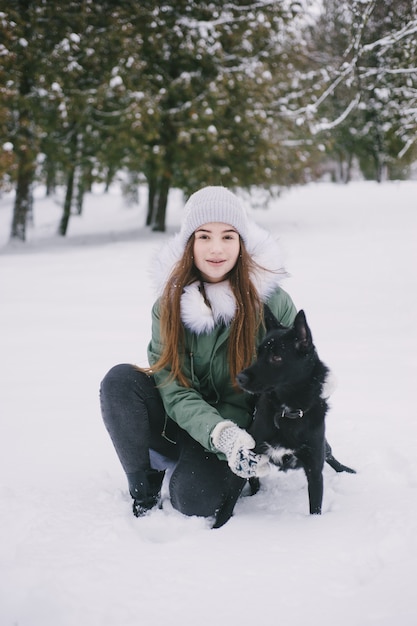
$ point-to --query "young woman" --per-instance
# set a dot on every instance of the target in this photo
(186, 412)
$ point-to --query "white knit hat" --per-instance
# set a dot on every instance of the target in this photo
(213, 204)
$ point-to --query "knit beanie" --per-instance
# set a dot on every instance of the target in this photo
(213, 204)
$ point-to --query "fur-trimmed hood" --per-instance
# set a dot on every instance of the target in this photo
(195, 314)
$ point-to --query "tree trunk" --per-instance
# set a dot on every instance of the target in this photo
(80, 197)
(22, 202)
(151, 200)
(63, 225)
(79, 185)
(348, 172)
(24, 145)
(109, 177)
(50, 176)
(159, 223)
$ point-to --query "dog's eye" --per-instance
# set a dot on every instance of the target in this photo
(275, 359)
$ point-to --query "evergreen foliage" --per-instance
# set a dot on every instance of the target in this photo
(188, 93)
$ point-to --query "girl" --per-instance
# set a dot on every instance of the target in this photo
(185, 413)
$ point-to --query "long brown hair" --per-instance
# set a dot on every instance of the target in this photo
(244, 326)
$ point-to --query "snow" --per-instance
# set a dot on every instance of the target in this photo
(71, 552)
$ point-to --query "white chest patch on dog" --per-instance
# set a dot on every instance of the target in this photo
(276, 454)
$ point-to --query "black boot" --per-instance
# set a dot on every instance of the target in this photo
(145, 487)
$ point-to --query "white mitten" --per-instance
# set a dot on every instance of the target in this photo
(237, 445)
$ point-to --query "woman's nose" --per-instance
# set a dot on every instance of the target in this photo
(216, 245)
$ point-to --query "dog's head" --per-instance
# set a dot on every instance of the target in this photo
(283, 357)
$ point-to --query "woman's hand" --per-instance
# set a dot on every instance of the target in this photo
(237, 445)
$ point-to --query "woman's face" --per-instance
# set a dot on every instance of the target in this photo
(216, 250)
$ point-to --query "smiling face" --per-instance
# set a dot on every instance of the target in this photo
(216, 250)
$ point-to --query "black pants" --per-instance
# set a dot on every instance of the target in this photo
(134, 416)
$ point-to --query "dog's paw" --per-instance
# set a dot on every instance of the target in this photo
(282, 457)
(289, 461)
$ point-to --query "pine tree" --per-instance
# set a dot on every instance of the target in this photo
(21, 60)
(204, 74)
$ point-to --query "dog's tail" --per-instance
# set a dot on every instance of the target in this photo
(335, 464)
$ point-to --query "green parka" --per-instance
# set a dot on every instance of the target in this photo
(212, 397)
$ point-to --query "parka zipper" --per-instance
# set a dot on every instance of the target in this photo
(192, 360)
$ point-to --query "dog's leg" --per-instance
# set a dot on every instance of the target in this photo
(335, 464)
(315, 490)
(254, 484)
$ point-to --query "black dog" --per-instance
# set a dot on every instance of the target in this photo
(289, 420)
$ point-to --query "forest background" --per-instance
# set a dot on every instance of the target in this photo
(185, 93)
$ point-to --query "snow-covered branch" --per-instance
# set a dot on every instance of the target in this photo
(316, 128)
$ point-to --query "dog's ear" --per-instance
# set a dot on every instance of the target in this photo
(270, 321)
(303, 337)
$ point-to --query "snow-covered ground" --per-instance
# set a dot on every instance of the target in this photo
(72, 554)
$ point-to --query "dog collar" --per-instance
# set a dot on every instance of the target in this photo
(287, 412)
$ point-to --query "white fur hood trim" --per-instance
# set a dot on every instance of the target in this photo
(195, 314)
(199, 317)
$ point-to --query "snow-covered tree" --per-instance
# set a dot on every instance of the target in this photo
(78, 73)
(359, 87)
(202, 73)
(188, 93)
(20, 53)
(177, 91)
